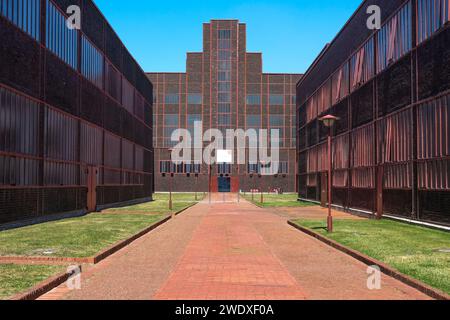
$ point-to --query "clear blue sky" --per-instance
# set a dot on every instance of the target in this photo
(289, 33)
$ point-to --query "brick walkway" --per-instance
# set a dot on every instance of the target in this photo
(230, 251)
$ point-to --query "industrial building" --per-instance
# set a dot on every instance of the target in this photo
(224, 87)
(75, 114)
(390, 90)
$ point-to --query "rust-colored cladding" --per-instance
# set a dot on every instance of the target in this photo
(391, 90)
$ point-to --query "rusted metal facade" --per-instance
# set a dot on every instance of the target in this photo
(391, 90)
(225, 87)
(75, 114)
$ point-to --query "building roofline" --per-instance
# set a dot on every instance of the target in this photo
(328, 45)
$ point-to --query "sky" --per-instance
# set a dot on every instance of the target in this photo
(289, 33)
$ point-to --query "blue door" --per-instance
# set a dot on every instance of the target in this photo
(224, 184)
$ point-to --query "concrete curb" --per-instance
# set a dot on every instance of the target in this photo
(388, 270)
(94, 259)
(45, 286)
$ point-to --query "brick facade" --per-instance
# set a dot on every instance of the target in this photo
(242, 96)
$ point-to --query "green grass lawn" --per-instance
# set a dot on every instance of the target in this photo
(161, 204)
(412, 250)
(18, 278)
(276, 200)
(86, 236)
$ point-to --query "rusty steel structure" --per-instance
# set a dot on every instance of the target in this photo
(391, 90)
(75, 114)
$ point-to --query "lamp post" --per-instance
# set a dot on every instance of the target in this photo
(328, 121)
(170, 181)
(196, 186)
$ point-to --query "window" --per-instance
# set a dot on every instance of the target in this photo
(224, 168)
(225, 65)
(224, 97)
(224, 108)
(113, 82)
(253, 168)
(276, 120)
(224, 76)
(59, 39)
(171, 123)
(195, 98)
(253, 121)
(193, 121)
(276, 99)
(139, 105)
(254, 99)
(224, 34)
(362, 65)
(25, 14)
(172, 98)
(224, 44)
(224, 120)
(224, 55)
(224, 86)
(431, 16)
(167, 167)
(91, 63)
(339, 84)
(127, 95)
(395, 38)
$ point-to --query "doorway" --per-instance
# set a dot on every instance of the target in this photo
(224, 184)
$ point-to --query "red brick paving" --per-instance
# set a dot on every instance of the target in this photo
(230, 251)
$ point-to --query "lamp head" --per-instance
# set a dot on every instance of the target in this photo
(328, 120)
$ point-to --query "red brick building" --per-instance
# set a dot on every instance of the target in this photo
(224, 87)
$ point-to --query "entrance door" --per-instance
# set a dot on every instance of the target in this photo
(224, 184)
(324, 189)
(92, 188)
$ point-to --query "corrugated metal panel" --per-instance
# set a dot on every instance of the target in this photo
(91, 144)
(362, 65)
(433, 134)
(19, 124)
(363, 154)
(434, 175)
(112, 151)
(395, 38)
(431, 15)
(60, 136)
(394, 138)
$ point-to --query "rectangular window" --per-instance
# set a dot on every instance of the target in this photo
(340, 84)
(254, 168)
(276, 99)
(224, 65)
(139, 105)
(431, 16)
(24, 14)
(224, 76)
(276, 120)
(224, 120)
(224, 34)
(195, 98)
(224, 108)
(61, 40)
(224, 44)
(91, 62)
(224, 168)
(113, 82)
(127, 95)
(224, 55)
(254, 99)
(172, 98)
(224, 97)
(395, 38)
(253, 121)
(362, 65)
(223, 86)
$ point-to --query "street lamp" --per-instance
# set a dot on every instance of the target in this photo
(329, 121)
(170, 181)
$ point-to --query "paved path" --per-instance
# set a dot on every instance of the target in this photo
(230, 251)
